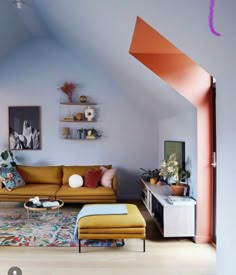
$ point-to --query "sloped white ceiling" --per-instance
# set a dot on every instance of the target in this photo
(18, 26)
(100, 33)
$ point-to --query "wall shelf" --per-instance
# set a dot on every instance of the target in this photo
(77, 104)
(78, 121)
(68, 129)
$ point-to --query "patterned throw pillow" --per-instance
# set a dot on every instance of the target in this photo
(11, 178)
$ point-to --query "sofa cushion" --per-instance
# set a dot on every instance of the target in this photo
(92, 178)
(41, 174)
(80, 170)
(10, 178)
(107, 176)
(100, 191)
(75, 181)
(32, 190)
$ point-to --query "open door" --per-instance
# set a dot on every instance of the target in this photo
(213, 95)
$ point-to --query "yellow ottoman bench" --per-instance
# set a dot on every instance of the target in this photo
(127, 226)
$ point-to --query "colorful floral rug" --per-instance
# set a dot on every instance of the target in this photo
(43, 229)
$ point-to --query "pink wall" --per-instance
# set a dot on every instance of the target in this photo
(194, 83)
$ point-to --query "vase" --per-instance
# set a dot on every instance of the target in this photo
(177, 190)
(83, 99)
(89, 113)
(153, 180)
(69, 95)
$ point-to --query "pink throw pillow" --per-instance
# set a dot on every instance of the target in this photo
(92, 178)
(107, 175)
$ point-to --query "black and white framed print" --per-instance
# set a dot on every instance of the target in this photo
(24, 128)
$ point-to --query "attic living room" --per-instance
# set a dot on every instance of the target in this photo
(91, 44)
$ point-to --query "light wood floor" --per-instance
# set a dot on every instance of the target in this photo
(162, 257)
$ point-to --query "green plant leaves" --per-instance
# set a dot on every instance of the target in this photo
(4, 155)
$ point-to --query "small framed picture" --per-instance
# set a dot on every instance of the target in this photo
(24, 128)
(177, 147)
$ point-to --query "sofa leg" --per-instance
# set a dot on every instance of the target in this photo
(79, 247)
(144, 245)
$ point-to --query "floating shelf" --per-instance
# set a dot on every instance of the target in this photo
(77, 121)
(67, 127)
(77, 103)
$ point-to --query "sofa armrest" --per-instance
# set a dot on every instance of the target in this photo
(114, 183)
(1, 184)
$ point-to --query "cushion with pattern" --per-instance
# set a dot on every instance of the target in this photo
(11, 178)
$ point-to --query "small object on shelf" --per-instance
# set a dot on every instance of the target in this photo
(89, 113)
(83, 99)
(78, 116)
(90, 135)
(82, 133)
(69, 118)
(65, 132)
(68, 88)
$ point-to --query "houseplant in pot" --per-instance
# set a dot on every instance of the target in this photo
(153, 176)
(174, 175)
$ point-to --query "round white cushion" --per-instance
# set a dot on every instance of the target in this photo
(75, 181)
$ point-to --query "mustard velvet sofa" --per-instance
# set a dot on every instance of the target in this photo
(53, 181)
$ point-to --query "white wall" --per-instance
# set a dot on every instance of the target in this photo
(32, 75)
(226, 187)
(181, 128)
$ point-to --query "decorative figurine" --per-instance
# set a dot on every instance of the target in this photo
(89, 113)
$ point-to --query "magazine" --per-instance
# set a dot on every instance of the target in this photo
(179, 199)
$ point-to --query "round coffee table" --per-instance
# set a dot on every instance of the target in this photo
(30, 207)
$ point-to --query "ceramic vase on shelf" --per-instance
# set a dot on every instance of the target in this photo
(70, 97)
(89, 113)
(83, 99)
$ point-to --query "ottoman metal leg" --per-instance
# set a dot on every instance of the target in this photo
(143, 245)
(79, 247)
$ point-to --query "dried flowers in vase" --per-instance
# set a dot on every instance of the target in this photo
(68, 88)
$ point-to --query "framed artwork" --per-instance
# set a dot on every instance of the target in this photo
(24, 128)
(177, 147)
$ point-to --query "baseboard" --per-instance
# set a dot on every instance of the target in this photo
(128, 197)
(203, 239)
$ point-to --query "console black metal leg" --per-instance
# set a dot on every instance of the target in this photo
(144, 245)
(79, 247)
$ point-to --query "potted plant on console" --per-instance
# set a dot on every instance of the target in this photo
(153, 176)
(174, 175)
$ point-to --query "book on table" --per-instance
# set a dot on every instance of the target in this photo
(179, 199)
(50, 203)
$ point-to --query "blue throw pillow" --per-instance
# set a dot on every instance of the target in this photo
(11, 178)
